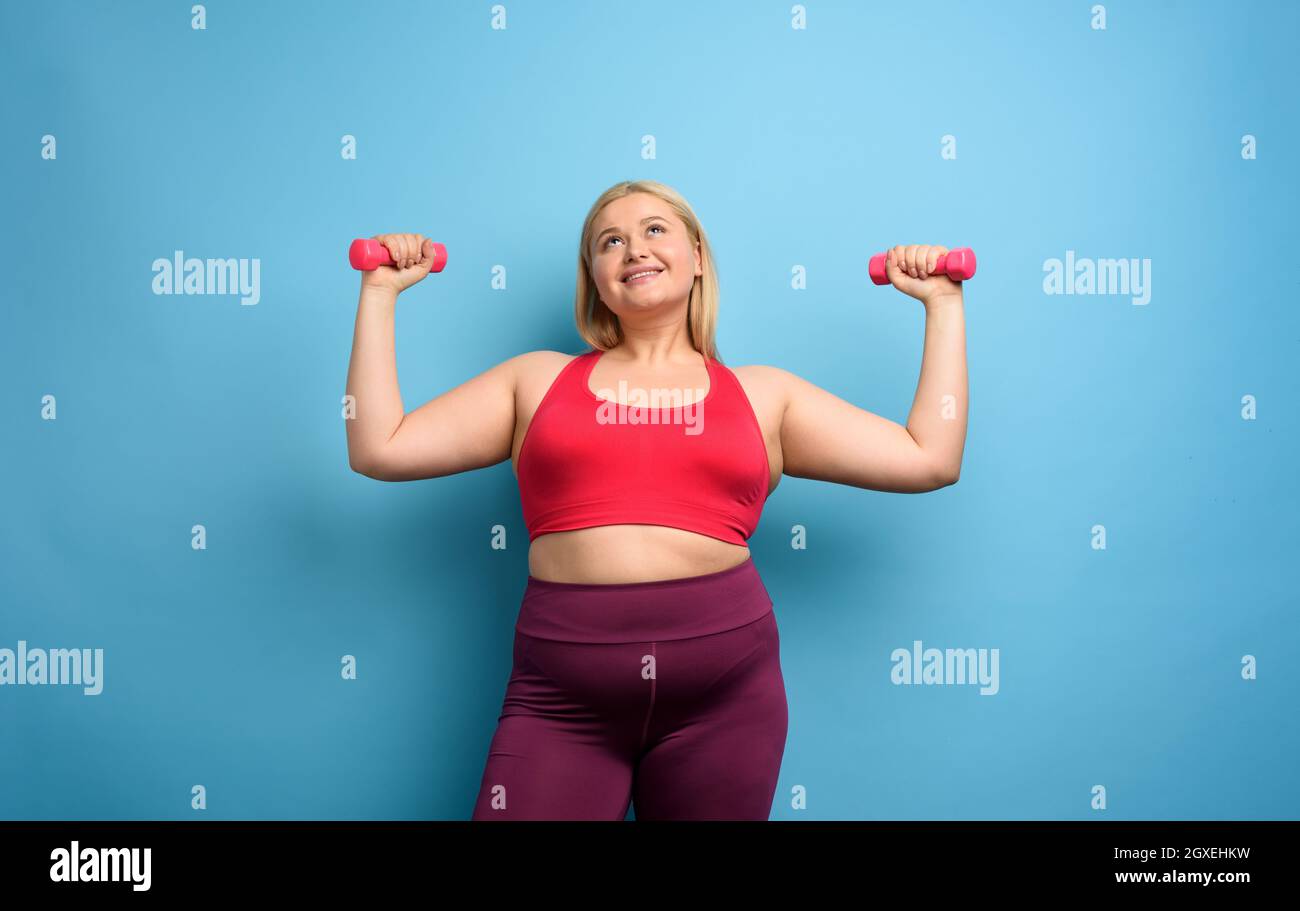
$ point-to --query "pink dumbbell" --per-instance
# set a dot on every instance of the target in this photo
(368, 254)
(958, 265)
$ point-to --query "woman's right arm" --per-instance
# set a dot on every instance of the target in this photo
(470, 426)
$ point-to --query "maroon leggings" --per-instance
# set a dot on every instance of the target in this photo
(667, 695)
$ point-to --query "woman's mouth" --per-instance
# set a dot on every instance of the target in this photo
(642, 278)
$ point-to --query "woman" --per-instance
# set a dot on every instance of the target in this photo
(646, 656)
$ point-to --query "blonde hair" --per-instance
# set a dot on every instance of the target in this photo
(598, 325)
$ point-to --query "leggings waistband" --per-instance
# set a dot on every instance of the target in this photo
(644, 611)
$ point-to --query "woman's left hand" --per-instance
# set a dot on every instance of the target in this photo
(910, 270)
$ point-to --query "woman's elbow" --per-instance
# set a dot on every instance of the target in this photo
(945, 476)
(365, 466)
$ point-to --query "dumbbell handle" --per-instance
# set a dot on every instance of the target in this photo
(958, 265)
(368, 254)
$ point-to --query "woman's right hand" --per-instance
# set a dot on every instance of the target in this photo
(412, 256)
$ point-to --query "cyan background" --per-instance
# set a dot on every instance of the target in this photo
(816, 147)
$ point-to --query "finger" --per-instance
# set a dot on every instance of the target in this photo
(909, 257)
(406, 251)
(419, 248)
(922, 254)
(933, 262)
(900, 267)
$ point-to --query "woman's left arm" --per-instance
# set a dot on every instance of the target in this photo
(826, 438)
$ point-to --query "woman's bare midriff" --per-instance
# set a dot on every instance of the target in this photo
(629, 553)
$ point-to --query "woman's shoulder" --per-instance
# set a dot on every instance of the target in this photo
(764, 384)
(540, 368)
(546, 359)
(764, 375)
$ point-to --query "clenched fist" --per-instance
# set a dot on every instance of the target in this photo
(412, 259)
(910, 269)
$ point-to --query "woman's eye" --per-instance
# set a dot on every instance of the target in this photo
(660, 227)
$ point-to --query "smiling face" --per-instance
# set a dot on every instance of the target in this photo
(641, 233)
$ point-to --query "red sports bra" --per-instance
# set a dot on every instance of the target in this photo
(589, 461)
